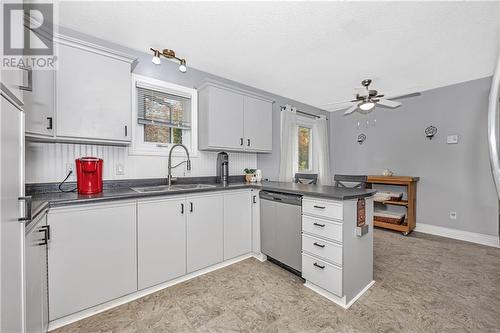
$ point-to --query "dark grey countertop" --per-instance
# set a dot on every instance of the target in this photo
(42, 201)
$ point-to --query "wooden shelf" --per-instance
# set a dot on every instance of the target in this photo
(397, 227)
(395, 203)
(410, 204)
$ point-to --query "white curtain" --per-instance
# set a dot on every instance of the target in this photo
(322, 151)
(289, 144)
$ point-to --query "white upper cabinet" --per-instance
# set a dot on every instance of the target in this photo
(87, 98)
(39, 103)
(93, 96)
(233, 119)
(258, 121)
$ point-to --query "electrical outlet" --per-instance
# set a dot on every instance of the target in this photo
(119, 169)
(70, 167)
(452, 139)
(453, 215)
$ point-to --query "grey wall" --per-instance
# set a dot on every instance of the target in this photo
(452, 176)
(168, 71)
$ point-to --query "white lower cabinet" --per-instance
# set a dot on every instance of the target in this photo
(161, 241)
(237, 223)
(204, 235)
(255, 221)
(101, 252)
(322, 274)
(91, 256)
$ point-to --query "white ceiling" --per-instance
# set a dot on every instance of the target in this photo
(313, 52)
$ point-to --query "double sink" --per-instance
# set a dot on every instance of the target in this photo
(171, 188)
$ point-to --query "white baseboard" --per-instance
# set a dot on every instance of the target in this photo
(458, 234)
(141, 293)
(341, 301)
(260, 257)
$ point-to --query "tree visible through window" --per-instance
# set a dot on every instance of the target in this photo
(304, 147)
(163, 110)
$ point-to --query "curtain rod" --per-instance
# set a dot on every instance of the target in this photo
(304, 113)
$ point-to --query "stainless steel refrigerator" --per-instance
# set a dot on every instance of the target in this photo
(493, 129)
(12, 209)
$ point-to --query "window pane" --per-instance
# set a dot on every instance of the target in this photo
(304, 148)
(157, 134)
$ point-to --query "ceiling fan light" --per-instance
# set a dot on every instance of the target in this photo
(366, 106)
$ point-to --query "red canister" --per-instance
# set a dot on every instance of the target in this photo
(89, 175)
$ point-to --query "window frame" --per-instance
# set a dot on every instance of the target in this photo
(308, 123)
(139, 146)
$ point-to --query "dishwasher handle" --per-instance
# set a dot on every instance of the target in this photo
(292, 199)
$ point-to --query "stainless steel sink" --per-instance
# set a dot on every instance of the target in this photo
(166, 188)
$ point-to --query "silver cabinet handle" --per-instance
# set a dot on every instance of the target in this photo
(27, 209)
(182, 208)
(319, 245)
(248, 142)
(319, 225)
(46, 234)
(50, 125)
(29, 87)
(126, 130)
(241, 141)
(190, 207)
(320, 207)
(254, 199)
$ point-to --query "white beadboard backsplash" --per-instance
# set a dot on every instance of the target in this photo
(47, 162)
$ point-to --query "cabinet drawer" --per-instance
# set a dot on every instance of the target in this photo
(322, 228)
(323, 208)
(322, 274)
(326, 250)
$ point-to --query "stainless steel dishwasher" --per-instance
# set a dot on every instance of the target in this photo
(280, 220)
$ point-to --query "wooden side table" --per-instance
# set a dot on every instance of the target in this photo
(411, 203)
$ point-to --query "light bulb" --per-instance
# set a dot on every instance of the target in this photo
(182, 66)
(156, 60)
(366, 106)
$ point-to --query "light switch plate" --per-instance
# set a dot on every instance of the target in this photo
(119, 169)
(452, 139)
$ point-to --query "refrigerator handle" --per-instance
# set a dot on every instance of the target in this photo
(493, 123)
(27, 209)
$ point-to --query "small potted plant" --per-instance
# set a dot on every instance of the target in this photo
(249, 174)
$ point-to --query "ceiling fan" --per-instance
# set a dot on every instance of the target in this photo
(369, 98)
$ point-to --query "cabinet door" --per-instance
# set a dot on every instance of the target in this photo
(225, 119)
(258, 125)
(35, 281)
(255, 222)
(204, 231)
(93, 95)
(13, 79)
(161, 234)
(39, 104)
(92, 256)
(237, 224)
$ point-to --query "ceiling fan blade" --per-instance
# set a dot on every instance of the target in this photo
(415, 94)
(388, 103)
(351, 110)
